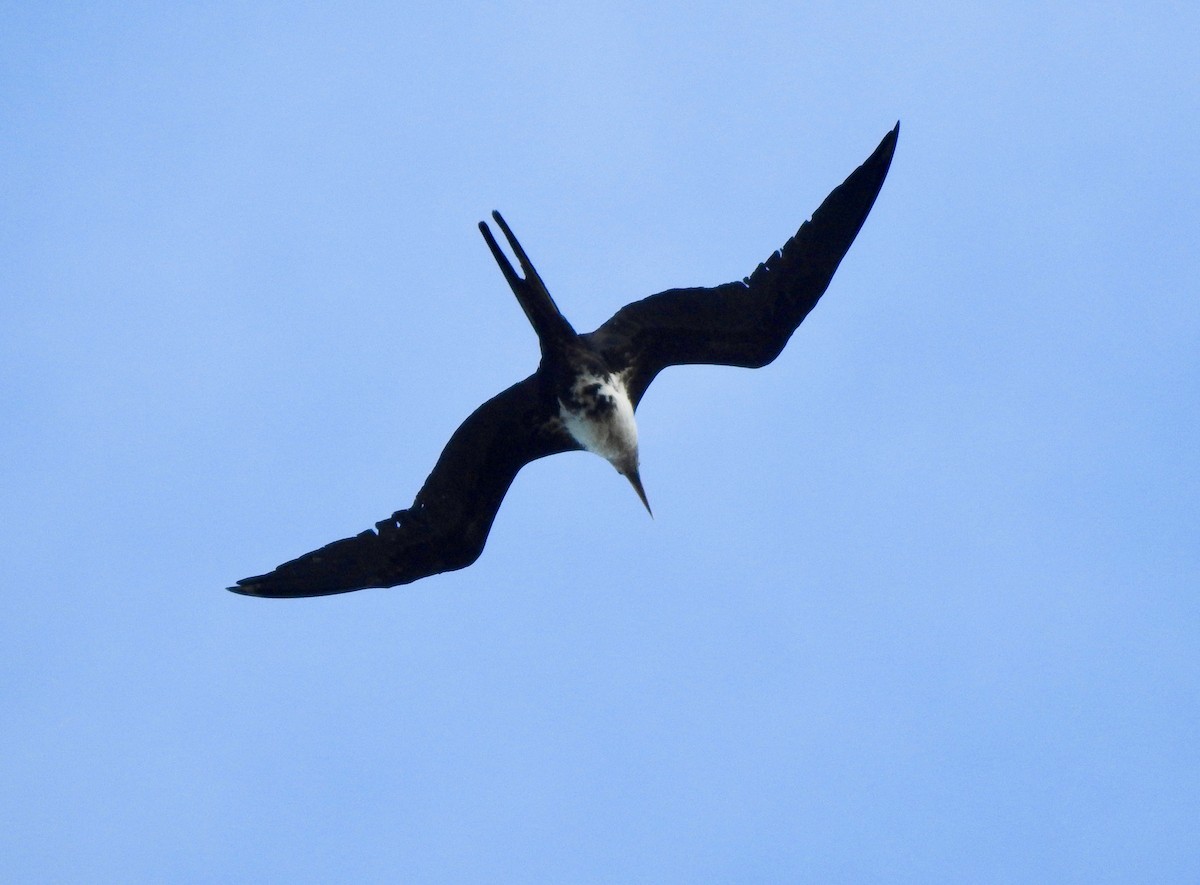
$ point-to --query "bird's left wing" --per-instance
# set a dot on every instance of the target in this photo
(745, 323)
(447, 525)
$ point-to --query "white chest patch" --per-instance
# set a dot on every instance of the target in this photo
(605, 424)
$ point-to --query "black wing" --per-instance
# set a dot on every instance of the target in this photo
(448, 523)
(749, 322)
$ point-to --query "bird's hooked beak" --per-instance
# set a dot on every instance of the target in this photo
(636, 481)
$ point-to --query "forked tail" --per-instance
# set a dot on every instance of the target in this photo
(547, 321)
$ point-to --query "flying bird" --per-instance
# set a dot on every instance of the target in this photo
(584, 394)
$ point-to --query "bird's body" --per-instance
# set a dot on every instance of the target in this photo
(584, 394)
(599, 416)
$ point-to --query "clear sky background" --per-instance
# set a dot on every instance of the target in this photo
(920, 600)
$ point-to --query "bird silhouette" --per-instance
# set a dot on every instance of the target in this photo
(584, 394)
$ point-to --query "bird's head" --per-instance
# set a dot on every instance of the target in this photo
(627, 466)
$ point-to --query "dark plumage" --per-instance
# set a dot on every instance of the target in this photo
(582, 377)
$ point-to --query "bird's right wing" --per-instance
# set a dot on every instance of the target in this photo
(448, 523)
(745, 323)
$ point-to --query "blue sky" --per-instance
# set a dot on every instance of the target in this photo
(919, 601)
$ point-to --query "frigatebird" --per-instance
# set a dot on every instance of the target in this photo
(584, 393)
